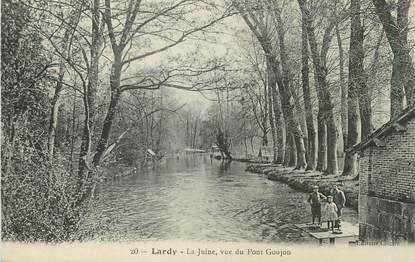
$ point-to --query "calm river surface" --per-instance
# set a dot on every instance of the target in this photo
(193, 198)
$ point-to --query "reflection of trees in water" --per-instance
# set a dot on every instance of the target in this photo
(179, 163)
(224, 166)
(193, 160)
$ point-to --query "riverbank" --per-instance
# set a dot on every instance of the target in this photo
(305, 180)
(243, 160)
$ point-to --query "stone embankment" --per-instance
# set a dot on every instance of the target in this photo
(305, 180)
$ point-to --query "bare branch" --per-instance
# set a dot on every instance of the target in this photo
(178, 41)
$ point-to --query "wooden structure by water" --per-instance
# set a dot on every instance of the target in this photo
(350, 232)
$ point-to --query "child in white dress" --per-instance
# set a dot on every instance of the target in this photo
(331, 212)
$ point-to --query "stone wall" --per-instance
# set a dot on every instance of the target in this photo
(387, 188)
(386, 220)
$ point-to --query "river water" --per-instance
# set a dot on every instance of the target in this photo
(194, 198)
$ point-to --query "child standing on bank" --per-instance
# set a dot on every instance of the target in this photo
(331, 212)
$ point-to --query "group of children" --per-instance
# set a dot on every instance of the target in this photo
(333, 207)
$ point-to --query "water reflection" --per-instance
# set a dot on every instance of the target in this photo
(192, 198)
(224, 166)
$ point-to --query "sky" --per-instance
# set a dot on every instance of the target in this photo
(225, 45)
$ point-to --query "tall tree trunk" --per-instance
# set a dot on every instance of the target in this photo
(293, 152)
(353, 133)
(101, 148)
(374, 64)
(398, 63)
(271, 84)
(288, 149)
(73, 133)
(396, 91)
(251, 141)
(293, 127)
(357, 83)
(286, 98)
(115, 96)
(194, 135)
(223, 143)
(90, 96)
(187, 133)
(322, 145)
(299, 111)
(325, 100)
(311, 131)
(265, 117)
(403, 73)
(284, 80)
(332, 167)
(343, 87)
(402, 62)
(288, 103)
(398, 72)
(280, 125)
(53, 119)
(365, 100)
(365, 106)
(264, 137)
(246, 147)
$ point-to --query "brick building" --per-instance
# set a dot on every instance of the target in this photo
(387, 181)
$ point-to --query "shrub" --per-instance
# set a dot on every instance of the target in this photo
(39, 201)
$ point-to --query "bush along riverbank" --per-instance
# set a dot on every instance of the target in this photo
(305, 180)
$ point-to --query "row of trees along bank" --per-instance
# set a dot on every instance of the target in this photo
(321, 76)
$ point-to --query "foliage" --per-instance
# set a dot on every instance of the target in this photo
(38, 201)
(23, 65)
(37, 204)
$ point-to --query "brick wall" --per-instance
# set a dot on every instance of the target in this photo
(387, 188)
(364, 164)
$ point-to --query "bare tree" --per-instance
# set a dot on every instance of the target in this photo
(326, 106)
(90, 89)
(271, 113)
(343, 84)
(259, 26)
(289, 106)
(73, 19)
(259, 108)
(311, 131)
(357, 82)
(276, 121)
(403, 71)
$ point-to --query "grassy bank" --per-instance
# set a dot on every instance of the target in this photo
(304, 181)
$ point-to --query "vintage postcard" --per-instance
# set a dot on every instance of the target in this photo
(207, 130)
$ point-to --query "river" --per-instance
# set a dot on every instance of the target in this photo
(194, 198)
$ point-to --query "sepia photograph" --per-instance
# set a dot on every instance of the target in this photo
(207, 130)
